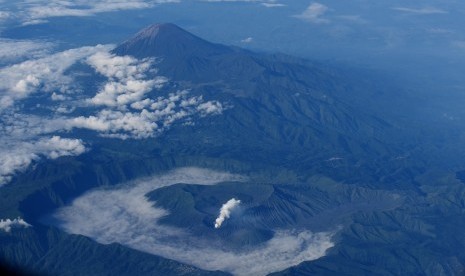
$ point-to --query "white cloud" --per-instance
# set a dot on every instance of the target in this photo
(247, 40)
(64, 109)
(211, 107)
(12, 162)
(20, 80)
(119, 67)
(149, 117)
(15, 125)
(124, 215)
(38, 10)
(56, 146)
(12, 50)
(125, 124)
(58, 97)
(128, 80)
(16, 156)
(129, 111)
(427, 10)
(131, 108)
(4, 15)
(122, 93)
(33, 22)
(273, 5)
(7, 224)
(314, 13)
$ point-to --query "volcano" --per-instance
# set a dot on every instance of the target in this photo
(168, 41)
(182, 54)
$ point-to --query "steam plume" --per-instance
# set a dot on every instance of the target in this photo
(226, 210)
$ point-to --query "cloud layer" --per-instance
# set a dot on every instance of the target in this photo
(126, 105)
(45, 74)
(124, 215)
(128, 109)
(12, 50)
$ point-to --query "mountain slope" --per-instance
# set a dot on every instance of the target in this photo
(282, 103)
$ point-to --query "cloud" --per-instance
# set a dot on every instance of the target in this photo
(118, 124)
(12, 162)
(353, 18)
(225, 211)
(127, 105)
(117, 93)
(130, 111)
(37, 11)
(16, 156)
(7, 224)
(425, 11)
(12, 50)
(148, 117)
(273, 5)
(64, 109)
(130, 108)
(119, 67)
(313, 13)
(124, 215)
(58, 97)
(128, 80)
(210, 107)
(18, 81)
(4, 15)
(56, 146)
(247, 40)
(15, 125)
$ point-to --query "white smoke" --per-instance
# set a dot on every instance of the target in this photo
(7, 224)
(225, 211)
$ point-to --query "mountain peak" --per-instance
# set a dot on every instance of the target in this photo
(152, 31)
(167, 40)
